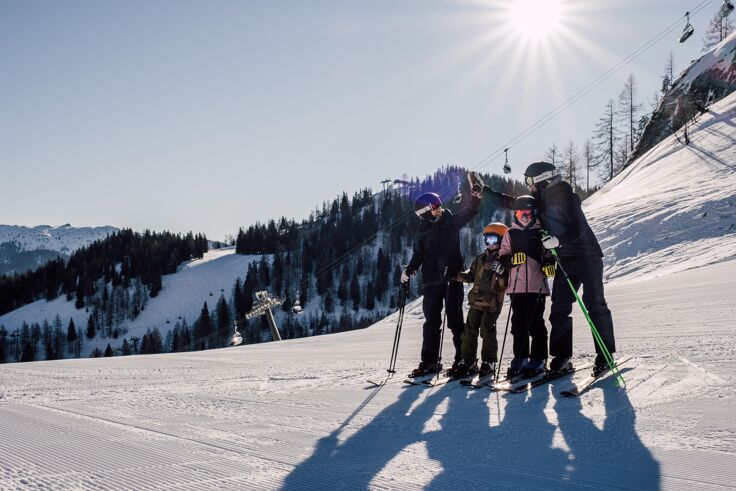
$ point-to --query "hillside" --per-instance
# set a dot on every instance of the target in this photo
(23, 248)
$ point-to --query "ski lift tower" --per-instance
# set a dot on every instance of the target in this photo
(263, 306)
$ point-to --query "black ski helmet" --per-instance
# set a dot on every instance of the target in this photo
(525, 202)
(522, 204)
(540, 173)
(425, 203)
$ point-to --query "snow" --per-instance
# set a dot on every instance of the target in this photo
(298, 414)
(675, 207)
(64, 238)
(720, 57)
(183, 294)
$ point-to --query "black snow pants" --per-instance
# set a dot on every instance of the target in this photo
(527, 319)
(588, 272)
(432, 306)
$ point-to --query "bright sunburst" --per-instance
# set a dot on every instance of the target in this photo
(536, 19)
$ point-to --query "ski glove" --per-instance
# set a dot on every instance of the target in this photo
(497, 267)
(550, 242)
(548, 270)
(405, 276)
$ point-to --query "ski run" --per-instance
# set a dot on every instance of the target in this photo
(300, 414)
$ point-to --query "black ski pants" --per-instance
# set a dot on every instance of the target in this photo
(588, 272)
(432, 307)
(527, 319)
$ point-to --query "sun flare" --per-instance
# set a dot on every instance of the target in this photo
(536, 19)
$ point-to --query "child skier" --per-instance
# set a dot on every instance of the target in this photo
(522, 251)
(489, 279)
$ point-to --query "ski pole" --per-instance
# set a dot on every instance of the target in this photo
(596, 335)
(506, 331)
(403, 292)
(444, 321)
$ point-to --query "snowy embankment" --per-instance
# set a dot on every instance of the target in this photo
(675, 207)
(183, 294)
(64, 239)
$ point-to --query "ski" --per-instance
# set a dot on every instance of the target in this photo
(545, 378)
(581, 387)
(477, 383)
(420, 380)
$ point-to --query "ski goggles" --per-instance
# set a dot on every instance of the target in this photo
(531, 181)
(431, 207)
(492, 239)
(528, 214)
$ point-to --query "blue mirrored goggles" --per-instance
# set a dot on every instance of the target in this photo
(492, 239)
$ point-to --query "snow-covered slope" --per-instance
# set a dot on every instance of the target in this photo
(183, 294)
(22, 247)
(298, 414)
(675, 207)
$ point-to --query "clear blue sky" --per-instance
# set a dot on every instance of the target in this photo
(207, 116)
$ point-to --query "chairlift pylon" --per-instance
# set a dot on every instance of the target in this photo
(726, 8)
(506, 166)
(688, 30)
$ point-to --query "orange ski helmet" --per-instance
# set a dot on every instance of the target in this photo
(494, 232)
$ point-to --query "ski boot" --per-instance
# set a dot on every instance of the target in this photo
(560, 364)
(600, 366)
(463, 369)
(425, 369)
(486, 369)
(517, 363)
(533, 367)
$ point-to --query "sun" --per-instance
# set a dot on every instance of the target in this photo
(536, 19)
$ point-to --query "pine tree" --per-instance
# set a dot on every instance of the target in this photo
(551, 154)
(71, 333)
(589, 161)
(606, 138)
(355, 292)
(569, 163)
(3, 344)
(224, 319)
(91, 329)
(669, 73)
(628, 110)
(108, 351)
(125, 350)
(203, 328)
(718, 29)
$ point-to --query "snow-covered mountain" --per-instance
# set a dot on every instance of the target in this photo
(23, 248)
(707, 80)
(299, 414)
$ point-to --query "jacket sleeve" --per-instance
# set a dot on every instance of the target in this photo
(417, 258)
(466, 214)
(504, 200)
(505, 252)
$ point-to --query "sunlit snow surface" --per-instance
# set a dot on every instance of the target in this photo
(299, 414)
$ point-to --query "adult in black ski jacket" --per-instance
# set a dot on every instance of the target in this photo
(437, 251)
(580, 255)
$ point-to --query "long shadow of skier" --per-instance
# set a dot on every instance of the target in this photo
(354, 462)
(611, 454)
(495, 440)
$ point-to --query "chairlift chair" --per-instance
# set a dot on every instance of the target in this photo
(237, 338)
(506, 166)
(688, 30)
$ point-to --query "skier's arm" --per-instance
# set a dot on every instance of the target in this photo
(469, 275)
(416, 260)
(505, 200)
(467, 213)
(566, 221)
(504, 253)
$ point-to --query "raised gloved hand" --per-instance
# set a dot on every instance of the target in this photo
(476, 184)
(550, 242)
(405, 275)
(548, 270)
(497, 267)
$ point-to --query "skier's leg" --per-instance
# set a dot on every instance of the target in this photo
(454, 308)
(432, 308)
(538, 330)
(470, 335)
(560, 337)
(489, 350)
(595, 301)
(519, 325)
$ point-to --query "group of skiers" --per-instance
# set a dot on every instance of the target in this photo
(517, 261)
